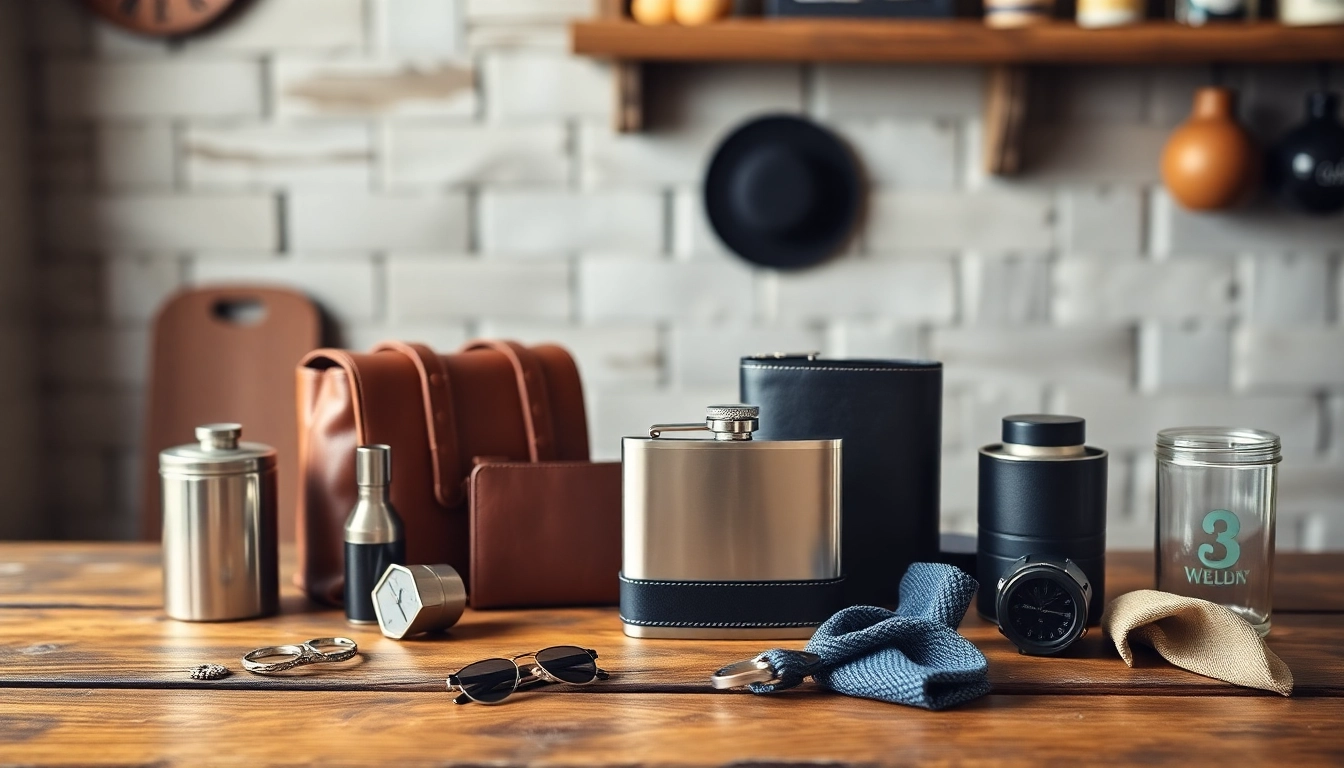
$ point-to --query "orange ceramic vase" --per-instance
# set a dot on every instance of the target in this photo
(1210, 161)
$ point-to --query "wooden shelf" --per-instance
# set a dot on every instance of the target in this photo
(956, 41)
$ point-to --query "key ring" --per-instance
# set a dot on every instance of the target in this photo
(757, 671)
(298, 655)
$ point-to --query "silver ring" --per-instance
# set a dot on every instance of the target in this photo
(298, 656)
(345, 648)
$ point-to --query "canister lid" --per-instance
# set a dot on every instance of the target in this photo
(217, 452)
(1045, 430)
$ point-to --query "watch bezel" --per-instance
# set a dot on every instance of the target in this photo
(378, 611)
(1065, 573)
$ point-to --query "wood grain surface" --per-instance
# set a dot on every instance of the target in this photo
(955, 41)
(92, 673)
(789, 729)
(91, 648)
(75, 644)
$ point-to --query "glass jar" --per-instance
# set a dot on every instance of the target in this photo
(1216, 491)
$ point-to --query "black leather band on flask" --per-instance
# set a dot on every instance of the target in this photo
(888, 414)
(729, 604)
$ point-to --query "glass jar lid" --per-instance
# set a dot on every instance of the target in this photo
(1218, 445)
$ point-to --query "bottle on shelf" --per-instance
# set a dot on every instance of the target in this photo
(1303, 13)
(1197, 13)
(1095, 14)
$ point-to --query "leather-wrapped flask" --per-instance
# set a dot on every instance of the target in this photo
(729, 537)
(889, 415)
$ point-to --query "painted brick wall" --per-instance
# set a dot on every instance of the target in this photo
(439, 169)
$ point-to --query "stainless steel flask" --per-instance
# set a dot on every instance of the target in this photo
(729, 537)
(220, 559)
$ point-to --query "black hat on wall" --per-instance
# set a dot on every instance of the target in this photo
(783, 191)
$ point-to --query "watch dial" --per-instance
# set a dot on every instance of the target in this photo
(398, 602)
(1041, 610)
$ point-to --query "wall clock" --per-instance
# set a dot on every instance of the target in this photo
(160, 17)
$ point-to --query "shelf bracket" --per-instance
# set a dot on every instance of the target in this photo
(1005, 118)
(628, 77)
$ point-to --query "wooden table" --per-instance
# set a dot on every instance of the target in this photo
(92, 673)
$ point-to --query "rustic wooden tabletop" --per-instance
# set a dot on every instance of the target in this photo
(92, 673)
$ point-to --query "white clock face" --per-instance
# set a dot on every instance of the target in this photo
(397, 602)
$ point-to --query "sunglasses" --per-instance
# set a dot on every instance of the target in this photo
(492, 680)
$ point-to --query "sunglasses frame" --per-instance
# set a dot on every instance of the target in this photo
(536, 674)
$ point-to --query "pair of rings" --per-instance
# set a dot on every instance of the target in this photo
(319, 650)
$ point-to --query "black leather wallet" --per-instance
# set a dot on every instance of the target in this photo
(889, 414)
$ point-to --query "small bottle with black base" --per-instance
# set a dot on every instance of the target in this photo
(374, 537)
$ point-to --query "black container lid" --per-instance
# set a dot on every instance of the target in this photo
(1044, 430)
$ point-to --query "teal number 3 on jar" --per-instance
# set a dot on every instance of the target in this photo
(1216, 491)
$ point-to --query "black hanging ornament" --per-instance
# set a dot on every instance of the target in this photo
(1306, 166)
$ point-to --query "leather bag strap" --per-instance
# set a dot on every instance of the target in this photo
(533, 394)
(440, 420)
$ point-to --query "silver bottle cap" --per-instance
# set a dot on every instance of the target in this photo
(736, 412)
(373, 465)
(217, 451)
(735, 421)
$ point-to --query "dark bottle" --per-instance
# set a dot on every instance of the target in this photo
(1306, 167)
(374, 538)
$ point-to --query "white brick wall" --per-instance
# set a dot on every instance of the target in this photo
(424, 155)
(427, 289)
(987, 221)
(437, 170)
(1114, 291)
(555, 223)
(368, 87)
(290, 25)
(360, 221)
(130, 89)
(302, 154)
(160, 222)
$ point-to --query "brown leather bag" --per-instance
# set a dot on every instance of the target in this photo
(442, 415)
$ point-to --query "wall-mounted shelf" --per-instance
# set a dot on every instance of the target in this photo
(957, 41)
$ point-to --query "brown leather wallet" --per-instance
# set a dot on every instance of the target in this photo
(545, 534)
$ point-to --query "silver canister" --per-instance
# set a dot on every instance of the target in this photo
(729, 537)
(220, 559)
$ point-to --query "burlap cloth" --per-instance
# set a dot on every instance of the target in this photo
(1202, 637)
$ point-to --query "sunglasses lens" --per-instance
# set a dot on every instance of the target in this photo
(489, 681)
(567, 663)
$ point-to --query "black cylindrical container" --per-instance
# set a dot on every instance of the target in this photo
(1042, 492)
(889, 415)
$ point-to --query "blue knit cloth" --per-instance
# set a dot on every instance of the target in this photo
(912, 655)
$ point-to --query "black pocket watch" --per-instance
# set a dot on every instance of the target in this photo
(1042, 604)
